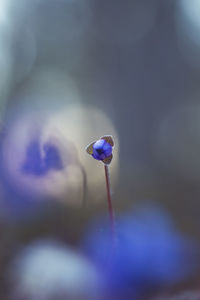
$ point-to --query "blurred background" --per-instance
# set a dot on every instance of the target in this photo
(71, 72)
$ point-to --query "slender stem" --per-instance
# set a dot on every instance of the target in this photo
(110, 208)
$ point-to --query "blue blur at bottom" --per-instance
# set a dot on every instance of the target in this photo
(150, 252)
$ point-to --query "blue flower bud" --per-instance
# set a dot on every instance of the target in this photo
(101, 149)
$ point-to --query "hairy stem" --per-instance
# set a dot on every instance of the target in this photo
(110, 208)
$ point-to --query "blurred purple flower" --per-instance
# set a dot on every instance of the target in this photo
(37, 165)
(150, 251)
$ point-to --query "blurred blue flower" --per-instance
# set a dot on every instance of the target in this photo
(150, 251)
(37, 165)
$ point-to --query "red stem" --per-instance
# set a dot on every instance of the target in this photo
(110, 209)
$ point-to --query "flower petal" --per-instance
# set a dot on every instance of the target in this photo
(89, 148)
(108, 159)
(108, 139)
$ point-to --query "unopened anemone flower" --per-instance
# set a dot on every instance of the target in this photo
(102, 149)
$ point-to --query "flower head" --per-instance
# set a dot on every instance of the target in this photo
(150, 251)
(102, 149)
